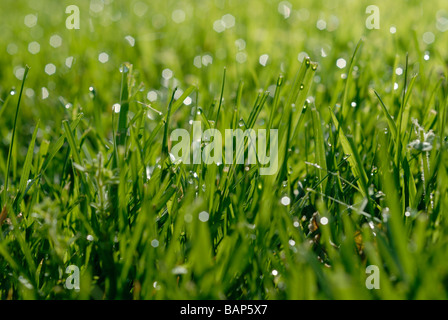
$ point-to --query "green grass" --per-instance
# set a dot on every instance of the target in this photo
(364, 146)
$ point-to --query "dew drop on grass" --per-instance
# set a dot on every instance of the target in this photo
(228, 20)
(188, 101)
(29, 92)
(199, 112)
(55, 41)
(204, 216)
(130, 40)
(341, 63)
(302, 86)
(89, 237)
(324, 221)
(155, 243)
(12, 48)
(30, 20)
(263, 59)
(219, 26)
(45, 93)
(25, 283)
(13, 91)
(179, 270)
(241, 57)
(274, 272)
(241, 123)
(285, 201)
(152, 96)
(124, 68)
(428, 37)
(50, 69)
(321, 24)
(302, 55)
(34, 47)
(92, 92)
(69, 62)
(103, 57)
(116, 108)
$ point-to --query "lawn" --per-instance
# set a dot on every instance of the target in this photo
(95, 203)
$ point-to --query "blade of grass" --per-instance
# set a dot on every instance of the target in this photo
(8, 166)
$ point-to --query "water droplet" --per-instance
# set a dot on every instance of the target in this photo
(341, 63)
(199, 112)
(92, 92)
(241, 57)
(241, 123)
(45, 93)
(124, 68)
(285, 201)
(69, 62)
(103, 57)
(130, 40)
(116, 108)
(155, 243)
(55, 41)
(204, 216)
(167, 74)
(30, 20)
(302, 86)
(263, 60)
(34, 47)
(50, 69)
(13, 91)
